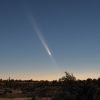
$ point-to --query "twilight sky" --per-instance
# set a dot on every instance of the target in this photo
(69, 28)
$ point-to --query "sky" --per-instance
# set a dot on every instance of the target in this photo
(41, 39)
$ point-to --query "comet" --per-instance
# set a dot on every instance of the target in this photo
(41, 37)
(44, 43)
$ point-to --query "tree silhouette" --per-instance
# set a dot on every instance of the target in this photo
(67, 77)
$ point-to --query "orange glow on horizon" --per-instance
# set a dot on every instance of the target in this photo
(48, 76)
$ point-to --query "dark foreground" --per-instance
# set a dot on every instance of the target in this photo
(15, 99)
(67, 88)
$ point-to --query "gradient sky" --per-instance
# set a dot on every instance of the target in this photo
(71, 29)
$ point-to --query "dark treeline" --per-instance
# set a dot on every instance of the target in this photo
(66, 88)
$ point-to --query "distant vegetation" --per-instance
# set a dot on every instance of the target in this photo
(66, 88)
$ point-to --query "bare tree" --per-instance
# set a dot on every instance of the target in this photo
(68, 77)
